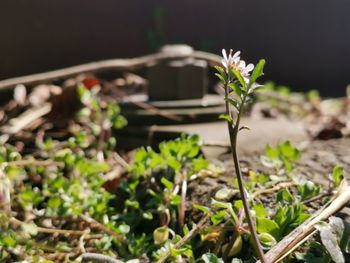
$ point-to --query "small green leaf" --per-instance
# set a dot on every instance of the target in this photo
(265, 225)
(220, 77)
(9, 241)
(54, 202)
(218, 217)
(173, 163)
(257, 72)
(239, 77)
(169, 185)
(288, 151)
(132, 204)
(224, 205)
(199, 164)
(254, 87)
(221, 73)
(175, 200)
(226, 117)
(204, 209)
(337, 175)
(260, 210)
(308, 190)
(233, 102)
(271, 152)
(238, 204)
(236, 89)
(284, 196)
(185, 229)
(221, 70)
(147, 215)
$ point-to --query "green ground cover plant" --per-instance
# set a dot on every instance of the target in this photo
(61, 200)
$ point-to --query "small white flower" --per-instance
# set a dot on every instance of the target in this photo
(245, 70)
(230, 61)
(234, 62)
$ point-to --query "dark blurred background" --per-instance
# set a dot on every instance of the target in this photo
(306, 43)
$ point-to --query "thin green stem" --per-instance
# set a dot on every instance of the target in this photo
(233, 133)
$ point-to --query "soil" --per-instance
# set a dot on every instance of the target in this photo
(317, 161)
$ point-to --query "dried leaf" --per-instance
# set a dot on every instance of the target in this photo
(329, 234)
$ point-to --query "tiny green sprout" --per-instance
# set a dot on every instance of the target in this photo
(308, 190)
(337, 175)
(239, 82)
(282, 157)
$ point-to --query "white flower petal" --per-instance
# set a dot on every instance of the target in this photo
(224, 54)
(230, 54)
(242, 64)
(249, 68)
(224, 63)
(236, 54)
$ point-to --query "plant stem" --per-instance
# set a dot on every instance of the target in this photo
(233, 133)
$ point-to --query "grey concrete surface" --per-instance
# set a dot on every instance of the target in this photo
(261, 133)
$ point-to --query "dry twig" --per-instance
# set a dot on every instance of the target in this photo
(297, 237)
(272, 189)
(17, 124)
(99, 258)
(97, 225)
(32, 162)
(55, 231)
